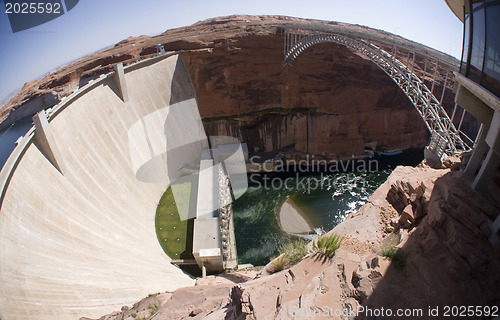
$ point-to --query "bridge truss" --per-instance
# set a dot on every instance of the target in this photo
(445, 137)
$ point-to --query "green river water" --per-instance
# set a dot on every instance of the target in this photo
(257, 230)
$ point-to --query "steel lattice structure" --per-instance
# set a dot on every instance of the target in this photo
(445, 137)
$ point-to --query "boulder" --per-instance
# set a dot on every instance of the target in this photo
(452, 162)
(366, 277)
(407, 217)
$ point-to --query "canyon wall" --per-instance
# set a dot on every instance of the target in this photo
(331, 101)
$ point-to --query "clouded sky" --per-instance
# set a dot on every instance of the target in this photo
(95, 24)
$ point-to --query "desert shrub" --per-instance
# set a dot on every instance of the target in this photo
(398, 256)
(153, 308)
(294, 251)
(327, 245)
(279, 263)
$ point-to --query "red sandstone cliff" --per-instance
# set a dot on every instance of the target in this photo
(331, 101)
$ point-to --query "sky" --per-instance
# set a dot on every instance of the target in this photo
(96, 24)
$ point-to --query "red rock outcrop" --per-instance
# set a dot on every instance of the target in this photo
(443, 226)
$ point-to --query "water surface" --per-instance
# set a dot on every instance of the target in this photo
(258, 235)
(9, 135)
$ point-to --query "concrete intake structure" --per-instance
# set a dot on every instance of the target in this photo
(79, 239)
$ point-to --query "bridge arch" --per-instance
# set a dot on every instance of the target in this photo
(445, 137)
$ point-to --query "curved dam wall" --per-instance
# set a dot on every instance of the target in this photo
(81, 241)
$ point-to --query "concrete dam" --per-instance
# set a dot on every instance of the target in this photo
(77, 217)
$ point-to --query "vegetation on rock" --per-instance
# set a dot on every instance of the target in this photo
(398, 256)
(279, 263)
(327, 245)
(294, 251)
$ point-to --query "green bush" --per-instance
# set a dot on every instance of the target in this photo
(398, 256)
(153, 308)
(278, 264)
(294, 251)
(327, 245)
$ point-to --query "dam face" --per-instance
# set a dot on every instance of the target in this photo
(80, 241)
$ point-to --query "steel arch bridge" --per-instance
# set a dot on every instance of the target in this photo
(445, 137)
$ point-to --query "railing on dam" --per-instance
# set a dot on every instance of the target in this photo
(413, 68)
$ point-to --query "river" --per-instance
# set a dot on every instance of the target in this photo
(327, 199)
(9, 136)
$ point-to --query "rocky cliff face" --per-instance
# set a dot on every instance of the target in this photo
(331, 101)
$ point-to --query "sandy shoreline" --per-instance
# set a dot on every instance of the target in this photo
(293, 220)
